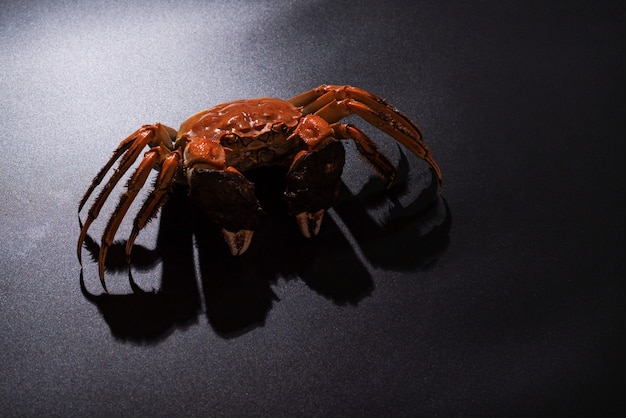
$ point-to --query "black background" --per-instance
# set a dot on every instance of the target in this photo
(504, 297)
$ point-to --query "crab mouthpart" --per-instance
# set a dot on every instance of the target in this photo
(310, 223)
(239, 241)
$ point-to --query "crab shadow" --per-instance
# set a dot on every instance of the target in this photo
(237, 291)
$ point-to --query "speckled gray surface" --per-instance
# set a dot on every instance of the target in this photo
(517, 309)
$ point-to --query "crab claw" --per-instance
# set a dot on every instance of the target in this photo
(310, 223)
(226, 198)
(239, 241)
(313, 182)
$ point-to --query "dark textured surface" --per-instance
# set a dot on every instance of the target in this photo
(517, 310)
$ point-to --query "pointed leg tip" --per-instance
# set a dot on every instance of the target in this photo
(310, 223)
(128, 255)
(101, 273)
(104, 285)
(79, 251)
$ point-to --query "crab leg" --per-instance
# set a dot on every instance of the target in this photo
(149, 134)
(337, 110)
(135, 183)
(123, 147)
(317, 98)
(368, 149)
(156, 199)
(336, 102)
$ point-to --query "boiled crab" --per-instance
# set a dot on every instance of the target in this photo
(213, 149)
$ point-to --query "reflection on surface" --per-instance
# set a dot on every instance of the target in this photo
(370, 227)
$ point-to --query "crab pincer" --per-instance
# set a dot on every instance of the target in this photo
(314, 177)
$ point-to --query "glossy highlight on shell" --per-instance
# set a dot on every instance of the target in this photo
(242, 118)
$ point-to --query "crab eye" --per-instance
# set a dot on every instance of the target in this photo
(280, 127)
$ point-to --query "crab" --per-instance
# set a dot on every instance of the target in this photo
(214, 148)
